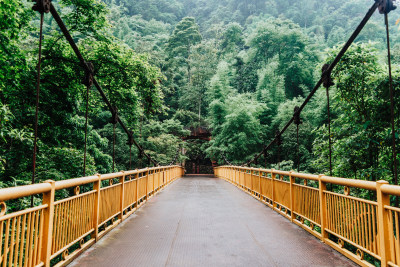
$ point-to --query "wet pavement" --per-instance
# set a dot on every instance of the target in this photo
(203, 221)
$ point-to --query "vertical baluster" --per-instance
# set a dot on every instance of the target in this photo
(40, 237)
(329, 212)
(29, 245)
(337, 221)
(21, 251)
(391, 233)
(316, 204)
(74, 219)
(89, 212)
(64, 224)
(55, 229)
(17, 240)
(366, 226)
(28, 238)
(345, 223)
(374, 230)
(12, 243)
(81, 214)
(61, 223)
(6, 246)
(357, 228)
(369, 227)
(353, 221)
(341, 216)
(71, 221)
(361, 226)
(35, 240)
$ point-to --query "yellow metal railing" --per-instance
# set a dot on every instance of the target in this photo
(363, 230)
(58, 230)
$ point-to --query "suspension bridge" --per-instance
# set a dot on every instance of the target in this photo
(285, 219)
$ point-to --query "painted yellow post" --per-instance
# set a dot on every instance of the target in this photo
(383, 224)
(251, 181)
(48, 213)
(137, 189)
(291, 178)
(272, 186)
(236, 174)
(154, 184)
(121, 200)
(162, 175)
(259, 183)
(147, 183)
(96, 209)
(323, 211)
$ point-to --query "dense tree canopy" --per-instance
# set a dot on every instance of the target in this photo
(236, 68)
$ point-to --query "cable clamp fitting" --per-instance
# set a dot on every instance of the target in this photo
(114, 115)
(42, 6)
(385, 6)
(130, 139)
(326, 76)
(296, 117)
(89, 74)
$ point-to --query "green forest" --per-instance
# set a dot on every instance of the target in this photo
(235, 68)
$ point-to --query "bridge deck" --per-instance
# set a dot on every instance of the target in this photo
(208, 222)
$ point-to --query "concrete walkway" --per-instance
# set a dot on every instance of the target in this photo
(200, 221)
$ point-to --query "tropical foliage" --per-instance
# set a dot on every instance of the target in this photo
(237, 68)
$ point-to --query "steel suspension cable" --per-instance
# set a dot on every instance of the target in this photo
(130, 143)
(298, 148)
(75, 48)
(327, 72)
(114, 121)
(297, 121)
(329, 130)
(279, 143)
(394, 153)
(86, 127)
(130, 157)
(328, 82)
(37, 101)
(88, 81)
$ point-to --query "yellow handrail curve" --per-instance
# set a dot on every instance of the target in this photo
(58, 230)
(367, 227)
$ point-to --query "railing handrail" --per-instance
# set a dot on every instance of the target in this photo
(11, 193)
(363, 184)
(56, 227)
(371, 227)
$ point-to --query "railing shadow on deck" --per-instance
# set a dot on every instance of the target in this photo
(61, 227)
(365, 231)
